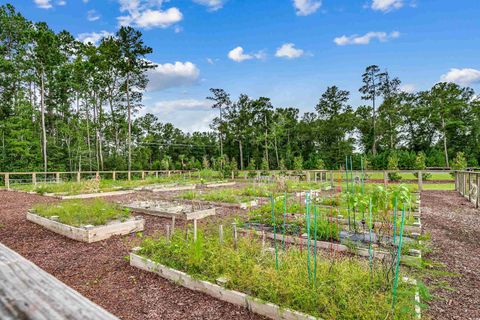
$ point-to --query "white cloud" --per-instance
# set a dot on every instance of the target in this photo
(170, 75)
(181, 112)
(386, 5)
(62, 2)
(44, 4)
(464, 76)
(408, 88)
(239, 55)
(148, 14)
(210, 61)
(93, 37)
(212, 5)
(366, 38)
(85, 1)
(289, 51)
(180, 105)
(92, 15)
(306, 7)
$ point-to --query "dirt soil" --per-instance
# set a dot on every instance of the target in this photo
(100, 271)
(454, 224)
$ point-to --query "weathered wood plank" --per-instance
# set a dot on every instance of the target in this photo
(89, 233)
(28, 292)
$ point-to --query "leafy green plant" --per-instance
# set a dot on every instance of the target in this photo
(83, 212)
(248, 268)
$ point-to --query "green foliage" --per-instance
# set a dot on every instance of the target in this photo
(248, 269)
(393, 165)
(298, 163)
(459, 162)
(83, 212)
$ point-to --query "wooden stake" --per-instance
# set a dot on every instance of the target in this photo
(194, 230)
(173, 224)
(168, 232)
(220, 233)
(234, 235)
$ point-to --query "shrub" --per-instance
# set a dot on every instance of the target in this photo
(393, 165)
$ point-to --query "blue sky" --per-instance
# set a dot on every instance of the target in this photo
(288, 50)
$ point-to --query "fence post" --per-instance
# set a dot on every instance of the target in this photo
(57, 177)
(420, 181)
(385, 178)
(34, 179)
(308, 176)
(143, 175)
(97, 175)
(233, 175)
(129, 175)
(331, 178)
(114, 175)
(7, 181)
(478, 191)
(78, 176)
(469, 187)
(456, 180)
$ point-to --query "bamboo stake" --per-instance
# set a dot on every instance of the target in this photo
(315, 246)
(308, 233)
(284, 218)
(220, 233)
(274, 231)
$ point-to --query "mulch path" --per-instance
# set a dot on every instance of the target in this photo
(454, 226)
(100, 271)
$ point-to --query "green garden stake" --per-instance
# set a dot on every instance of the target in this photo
(284, 218)
(363, 175)
(346, 171)
(307, 198)
(395, 220)
(351, 175)
(315, 246)
(274, 231)
(399, 252)
(370, 251)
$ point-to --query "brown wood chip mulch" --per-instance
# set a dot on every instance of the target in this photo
(454, 226)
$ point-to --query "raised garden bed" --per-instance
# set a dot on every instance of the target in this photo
(167, 187)
(219, 184)
(87, 221)
(266, 309)
(169, 209)
(288, 284)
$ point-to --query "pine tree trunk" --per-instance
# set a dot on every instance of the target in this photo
(42, 113)
(129, 125)
(240, 147)
(445, 142)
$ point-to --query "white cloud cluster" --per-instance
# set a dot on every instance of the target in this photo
(148, 14)
(93, 37)
(44, 4)
(238, 55)
(62, 2)
(366, 38)
(213, 5)
(170, 75)
(180, 105)
(464, 76)
(306, 7)
(386, 5)
(408, 88)
(289, 51)
(92, 15)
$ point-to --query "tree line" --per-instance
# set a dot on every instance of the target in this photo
(66, 105)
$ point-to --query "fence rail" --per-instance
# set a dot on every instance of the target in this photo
(467, 183)
(331, 176)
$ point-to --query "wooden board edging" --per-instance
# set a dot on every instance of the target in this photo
(266, 309)
(89, 234)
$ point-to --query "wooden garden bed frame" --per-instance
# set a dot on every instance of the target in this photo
(89, 233)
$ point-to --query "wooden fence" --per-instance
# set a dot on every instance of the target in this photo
(467, 183)
(331, 176)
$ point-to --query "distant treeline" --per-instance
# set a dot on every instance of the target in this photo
(65, 105)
